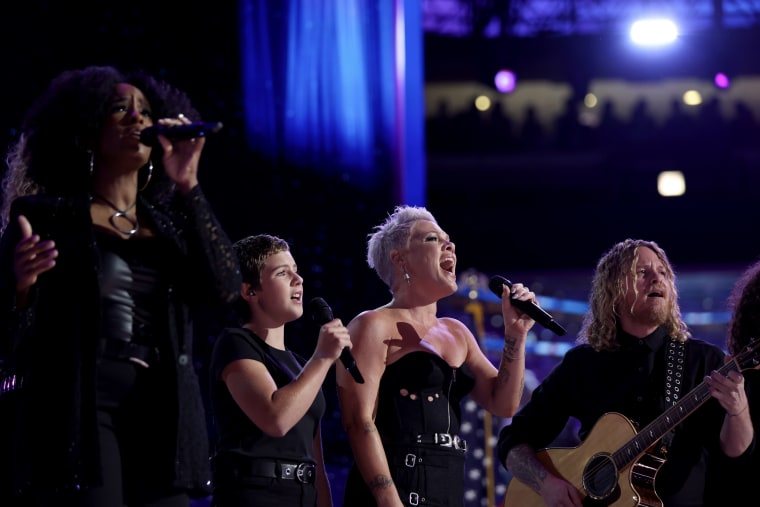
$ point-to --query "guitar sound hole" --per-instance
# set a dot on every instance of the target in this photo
(600, 476)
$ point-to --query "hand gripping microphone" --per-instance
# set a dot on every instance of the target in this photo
(321, 313)
(534, 311)
(149, 135)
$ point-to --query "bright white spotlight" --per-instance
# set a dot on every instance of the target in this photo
(653, 32)
(671, 183)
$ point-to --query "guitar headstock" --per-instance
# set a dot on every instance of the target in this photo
(749, 357)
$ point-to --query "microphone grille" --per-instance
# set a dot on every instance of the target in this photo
(495, 284)
(320, 311)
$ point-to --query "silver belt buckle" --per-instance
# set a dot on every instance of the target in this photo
(414, 498)
(444, 440)
(305, 472)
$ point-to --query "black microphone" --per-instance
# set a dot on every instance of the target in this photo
(149, 135)
(534, 311)
(322, 314)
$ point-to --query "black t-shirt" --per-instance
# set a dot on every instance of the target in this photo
(236, 433)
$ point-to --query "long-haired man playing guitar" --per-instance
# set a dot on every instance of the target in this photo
(654, 405)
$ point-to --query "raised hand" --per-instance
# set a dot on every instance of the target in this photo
(333, 338)
(32, 257)
(513, 317)
(181, 157)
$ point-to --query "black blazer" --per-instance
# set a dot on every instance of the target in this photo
(52, 343)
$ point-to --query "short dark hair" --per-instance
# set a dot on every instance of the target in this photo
(252, 253)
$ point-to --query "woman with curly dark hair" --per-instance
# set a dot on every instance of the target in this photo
(736, 477)
(106, 245)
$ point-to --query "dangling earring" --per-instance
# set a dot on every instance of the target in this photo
(92, 163)
(150, 175)
(407, 278)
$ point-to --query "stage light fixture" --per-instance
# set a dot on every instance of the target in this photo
(653, 32)
(671, 183)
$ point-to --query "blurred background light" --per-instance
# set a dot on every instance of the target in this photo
(505, 81)
(482, 103)
(653, 32)
(721, 80)
(692, 98)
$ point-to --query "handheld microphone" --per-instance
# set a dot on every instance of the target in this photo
(534, 311)
(149, 135)
(321, 313)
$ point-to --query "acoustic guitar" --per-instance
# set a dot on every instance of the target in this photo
(612, 467)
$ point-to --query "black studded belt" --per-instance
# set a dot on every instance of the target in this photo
(240, 468)
(443, 440)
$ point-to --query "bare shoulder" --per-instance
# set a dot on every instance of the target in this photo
(372, 329)
(369, 321)
(456, 326)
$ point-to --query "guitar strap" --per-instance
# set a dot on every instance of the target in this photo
(675, 357)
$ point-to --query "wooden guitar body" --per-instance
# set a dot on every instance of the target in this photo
(612, 467)
(578, 466)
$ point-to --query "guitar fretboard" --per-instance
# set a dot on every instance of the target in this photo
(665, 422)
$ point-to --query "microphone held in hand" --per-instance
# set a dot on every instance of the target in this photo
(534, 311)
(321, 313)
(149, 135)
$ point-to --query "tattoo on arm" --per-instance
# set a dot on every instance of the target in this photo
(525, 466)
(503, 375)
(510, 350)
(509, 356)
(380, 482)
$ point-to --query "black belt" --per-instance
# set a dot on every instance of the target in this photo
(443, 440)
(141, 354)
(240, 468)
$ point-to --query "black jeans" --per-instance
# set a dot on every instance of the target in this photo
(265, 492)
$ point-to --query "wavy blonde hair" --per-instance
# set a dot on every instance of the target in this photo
(608, 291)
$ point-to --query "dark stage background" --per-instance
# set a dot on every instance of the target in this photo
(539, 206)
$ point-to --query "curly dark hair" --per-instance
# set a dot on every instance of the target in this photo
(744, 302)
(52, 153)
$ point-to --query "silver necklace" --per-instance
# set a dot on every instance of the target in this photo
(121, 214)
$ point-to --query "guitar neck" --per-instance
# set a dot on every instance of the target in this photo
(667, 421)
